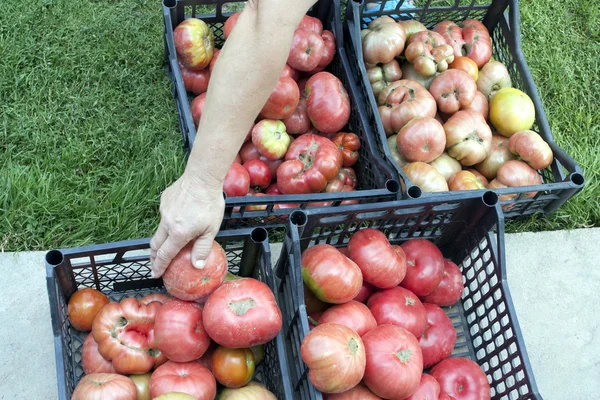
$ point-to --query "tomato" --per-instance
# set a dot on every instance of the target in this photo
(421, 139)
(499, 154)
(194, 43)
(409, 73)
(444, 396)
(213, 62)
(382, 41)
(242, 313)
(298, 122)
(249, 152)
(511, 111)
(195, 81)
(237, 181)
(342, 366)
(453, 90)
(328, 105)
(283, 100)
(311, 23)
(365, 292)
(196, 108)
(174, 396)
(92, 360)
(531, 148)
(462, 379)
(191, 378)
(306, 50)
(353, 314)
(428, 52)
(469, 38)
(290, 72)
(446, 165)
(302, 87)
(358, 392)
(349, 176)
(400, 307)
(270, 139)
(467, 65)
(402, 101)
(464, 180)
(381, 75)
(394, 362)
(425, 266)
(187, 282)
(142, 384)
(331, 276)
(311, 161)
(98, 386)
(125, 335)
(259, 172)
(429, 389)
(439, 337)
(349, 144)
(273, 190)
(395, 155)
(252, 391)
(381, 266)
(450, 289)
(159, 297)
(328, 52)
(426, 177)
(515, 173)
(178, 331)
(230, 23)
(83, 307)
(493, 77)
(312, 302)
(411, 27)
(206, 358)
(468, 137)
(233, 368)
(480, 178)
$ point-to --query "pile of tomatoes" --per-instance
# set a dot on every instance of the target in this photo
(162, 347)
(452, 119)
(295, 145)
(376, 322)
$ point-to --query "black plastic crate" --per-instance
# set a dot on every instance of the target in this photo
(462, 225)
(562, 180)
(377, 180)
(122, 269)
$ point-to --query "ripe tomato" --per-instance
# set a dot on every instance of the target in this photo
(252, 391)
(400, 307)
(230, 23)
(311, 23)
(439, 337)
(330, 275)
(195, 81)
(411, 27)
(328, 105)
(259, 172)
(465, 64)
(462, 379)
(394, 362)
(159, 297)
(511, 111)
(493, 77)
(174, 396)
(283, 100)
(499, 154)
(381, 75)
(273, 190)
(328, 52)
(444, 396)
(409, 73)
(428, 52)
(452, 90)
(187, 282)
(306, 50)
(421, 139)
(380, 264)
(290, 72)
(469, 38)
(342, 366)
(531, 148)
(192, 378)
(83, 307)
(349, 144)
(464, 180)
(270, 139)
(446, 165)
(358, 392)
(365, 291)
(312, 302)
(194, 43)
(178, 331)
(353, 314)
(242, 313)
(237, 181)
(468, 137)
(196, 108)
(298, 122)
(450, 289)
(349, 176)
(429, 388)
(383, 40)
(142, 384)
(91, 359)
(515, 173)
(213, 62)
(426, 177)
(402, 101)
(425, 266)
(480, 104)
(98, 386)
(233, 368)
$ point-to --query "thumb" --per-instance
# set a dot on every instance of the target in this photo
(201, 250)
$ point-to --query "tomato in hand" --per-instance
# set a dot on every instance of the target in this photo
(462, 379)
(83, 307)
(400, 307)
(425, 266)
(97, 386)
(439, 337)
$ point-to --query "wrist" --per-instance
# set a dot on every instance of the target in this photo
(197, 177)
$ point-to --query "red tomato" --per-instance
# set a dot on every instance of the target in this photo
(400, 307)
(480, 104)
(444, 396)
(192, 378)
(259, 172)
(465, 180)
(515, 173)
(358, 392)
(365, 291)
(328, 52)
(302, 87)
(312, 302)
(306, 50)
(328, 105)
(469, 38)
(249, 152)
(439, 337)
(402, 101)
(230, 23)
(394, 362)
(242, 313)
(382, 41)
(237, 181)
(462, 379)
(450, 289)
(311, 161)
(211, 67)
(428, 389)
(83, 307)
(311, 23)
(283, 100)
(194, 43)
(452, 90)
(99, 386)
(425, 266)
(196, 108)
(349, 176)
(160, 297)
(270, 139)
(428, 52)
(273, 190)
(290, 72)
(531, 148)
(195, 81)
(342, 366)
(178, 331)
(421, 139)
(381, 266)
(353, 314)
(498, 154)
(349, 144)
(298, 122)
(330, 275)
(233, 368)
(187, 282)
(92, 360)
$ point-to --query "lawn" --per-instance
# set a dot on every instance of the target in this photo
(89, 134)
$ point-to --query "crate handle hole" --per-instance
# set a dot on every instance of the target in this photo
(298, 218)
(392, 186)
(54, 257)
(414, 192)
(490, 199)
(259, 235)
(169, 3)
(577, 179)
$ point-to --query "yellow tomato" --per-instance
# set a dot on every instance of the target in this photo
(194, 43)
(511, 111)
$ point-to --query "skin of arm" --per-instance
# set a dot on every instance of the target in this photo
(244, 76)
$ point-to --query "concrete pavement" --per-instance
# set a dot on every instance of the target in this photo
(553, 276)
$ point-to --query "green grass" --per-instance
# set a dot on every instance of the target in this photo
(89, 134)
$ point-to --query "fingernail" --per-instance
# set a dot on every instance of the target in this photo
(200, 264)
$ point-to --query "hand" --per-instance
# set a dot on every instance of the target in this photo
(190, 209)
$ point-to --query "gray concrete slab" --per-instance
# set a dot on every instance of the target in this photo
(555, 289)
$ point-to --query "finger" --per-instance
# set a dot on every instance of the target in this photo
(159, 237)
(201, 249)
(165, 254)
